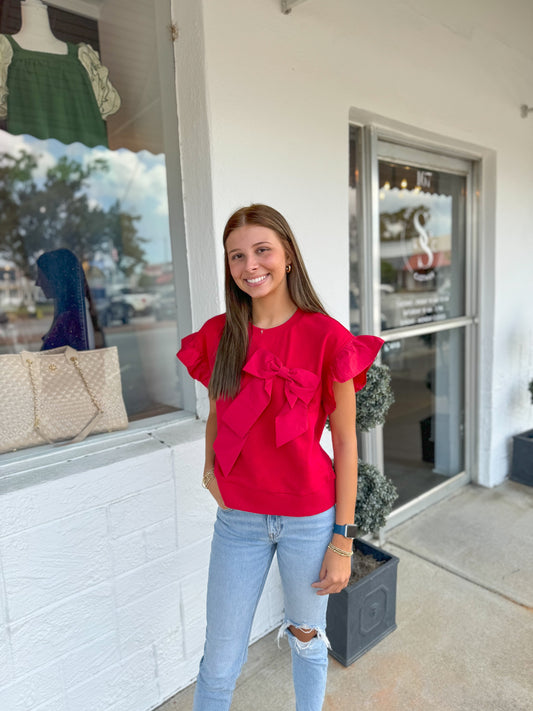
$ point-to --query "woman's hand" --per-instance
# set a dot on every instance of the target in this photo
(215, 493)
(210, 436)
(334, 574)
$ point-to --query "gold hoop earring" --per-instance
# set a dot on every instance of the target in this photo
(288, 268)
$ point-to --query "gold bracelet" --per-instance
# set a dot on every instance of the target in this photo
(339, 551)
(207, 478)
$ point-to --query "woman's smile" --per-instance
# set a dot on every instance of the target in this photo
(256, 280)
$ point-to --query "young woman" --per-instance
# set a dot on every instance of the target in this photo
(276, 366)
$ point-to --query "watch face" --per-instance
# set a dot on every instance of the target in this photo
(349, 530)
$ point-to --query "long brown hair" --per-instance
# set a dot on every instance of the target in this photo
(233, 347)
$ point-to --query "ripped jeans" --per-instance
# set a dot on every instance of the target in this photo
(241, 553)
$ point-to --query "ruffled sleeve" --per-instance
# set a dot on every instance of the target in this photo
(198, 351)
(6, 55)
(106, 95)
(193, 355)
(351, 362)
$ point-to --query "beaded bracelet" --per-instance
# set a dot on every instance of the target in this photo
(207, 478)
(339, 551)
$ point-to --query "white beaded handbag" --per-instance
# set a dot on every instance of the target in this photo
(59, 395)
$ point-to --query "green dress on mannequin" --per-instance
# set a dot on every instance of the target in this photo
(53, 95)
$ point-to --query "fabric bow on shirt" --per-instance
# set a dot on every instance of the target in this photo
(299, 387)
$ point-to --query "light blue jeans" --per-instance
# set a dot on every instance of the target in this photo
(241, 553)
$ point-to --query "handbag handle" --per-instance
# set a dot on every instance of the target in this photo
(86, 429)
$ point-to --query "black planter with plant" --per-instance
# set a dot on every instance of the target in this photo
(522, 462)
(365, 611)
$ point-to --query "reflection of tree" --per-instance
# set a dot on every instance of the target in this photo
(128, 246)
(388, 273)
(37, 216)
(399, 224)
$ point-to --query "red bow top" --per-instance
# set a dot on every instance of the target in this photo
(299, 387)
(268, 457)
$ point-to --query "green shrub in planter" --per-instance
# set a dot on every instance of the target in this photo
(376, 495)
(375, 399)
(364, 612)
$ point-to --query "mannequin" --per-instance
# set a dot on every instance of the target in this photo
(35, 33)
(61, 277)
(50, 88)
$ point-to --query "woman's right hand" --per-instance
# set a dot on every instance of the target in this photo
(215, 493)
(209, 467)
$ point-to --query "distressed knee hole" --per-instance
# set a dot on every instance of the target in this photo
(304, 634)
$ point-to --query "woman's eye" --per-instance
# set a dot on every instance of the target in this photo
(262, 249)
(234, 257)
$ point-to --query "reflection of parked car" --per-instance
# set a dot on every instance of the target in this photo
(165, 305)
(142, 302)
(113, 310)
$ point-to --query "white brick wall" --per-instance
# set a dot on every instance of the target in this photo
(34, 691)
(71, 555)
(103, 569)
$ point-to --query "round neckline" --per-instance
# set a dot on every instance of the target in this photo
(292, 319)
(38, 51)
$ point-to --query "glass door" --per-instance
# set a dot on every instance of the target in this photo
(411, 283)
(423, 438)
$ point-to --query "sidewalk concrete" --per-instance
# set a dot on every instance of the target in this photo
(464, 611)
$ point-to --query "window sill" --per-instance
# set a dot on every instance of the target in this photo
(35, 465)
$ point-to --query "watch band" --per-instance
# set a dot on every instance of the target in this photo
(348, 530)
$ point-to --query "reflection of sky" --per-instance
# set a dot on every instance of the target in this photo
(137, 180)
(440, 220)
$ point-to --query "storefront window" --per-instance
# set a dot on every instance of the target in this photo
(422, 238)
(85, 225)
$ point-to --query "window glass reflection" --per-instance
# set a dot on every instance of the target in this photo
(85, 253)
(422, 238)
(424, 430)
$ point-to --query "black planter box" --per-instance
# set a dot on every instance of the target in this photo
(522, 464)
(363, 613)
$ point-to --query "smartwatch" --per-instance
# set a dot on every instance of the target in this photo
(348, 530)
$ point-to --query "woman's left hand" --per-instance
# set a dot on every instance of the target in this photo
(334, 574)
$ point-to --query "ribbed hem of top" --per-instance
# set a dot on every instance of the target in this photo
(275, 503)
